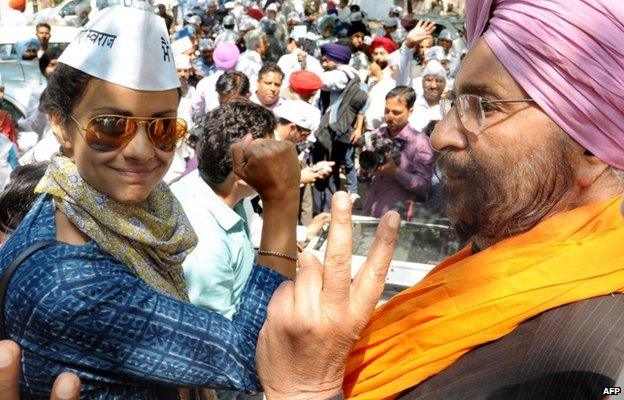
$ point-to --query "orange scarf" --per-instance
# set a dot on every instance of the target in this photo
(469, 300)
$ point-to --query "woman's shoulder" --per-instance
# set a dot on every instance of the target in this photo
(57, 257)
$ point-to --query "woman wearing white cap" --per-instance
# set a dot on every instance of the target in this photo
(104, 296)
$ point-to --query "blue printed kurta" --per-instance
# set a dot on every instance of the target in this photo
(77, 308)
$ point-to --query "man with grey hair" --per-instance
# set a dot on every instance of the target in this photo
(250, 61)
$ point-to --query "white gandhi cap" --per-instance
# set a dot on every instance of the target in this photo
(299, 113)
(127, 46)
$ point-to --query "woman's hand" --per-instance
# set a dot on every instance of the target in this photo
(66, 386)
(312, 323)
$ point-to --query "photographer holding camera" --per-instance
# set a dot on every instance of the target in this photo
(400, 160)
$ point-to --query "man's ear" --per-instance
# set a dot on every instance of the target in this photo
(62, 136)
(589, 169)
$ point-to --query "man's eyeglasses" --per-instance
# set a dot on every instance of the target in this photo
(471, 110)
(112, 132)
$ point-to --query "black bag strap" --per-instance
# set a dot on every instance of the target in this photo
(8, 274)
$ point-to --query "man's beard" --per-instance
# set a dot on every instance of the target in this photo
(500, 196)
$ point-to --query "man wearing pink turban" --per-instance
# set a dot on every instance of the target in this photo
(531, 151)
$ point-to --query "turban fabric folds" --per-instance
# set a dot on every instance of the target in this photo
(226, 55)
(305, 82)
(382, 41)
(336, 52)
(568, 56)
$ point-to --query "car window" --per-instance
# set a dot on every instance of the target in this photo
(417, 243)
(7, 52)
(70, 8)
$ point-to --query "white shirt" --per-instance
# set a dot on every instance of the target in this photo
(206, 97)
(227, 35)
(289, 63)
(185, 108)
(377, 103)
(424, 113)
(335, 81)
(42, 151)
(254, 99)
(250, 63)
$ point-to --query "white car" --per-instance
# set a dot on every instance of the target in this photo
(19, 77)
(420, 246)
(65, 12)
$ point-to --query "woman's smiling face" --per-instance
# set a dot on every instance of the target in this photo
(130, 173)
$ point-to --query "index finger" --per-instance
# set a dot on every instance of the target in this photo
(337, 271)
(9, 370)
(238, 154)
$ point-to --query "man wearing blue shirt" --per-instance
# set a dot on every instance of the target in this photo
(212, 197)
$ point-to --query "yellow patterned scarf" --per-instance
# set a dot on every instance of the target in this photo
(152, 238)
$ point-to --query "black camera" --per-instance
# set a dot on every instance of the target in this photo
(383, 150)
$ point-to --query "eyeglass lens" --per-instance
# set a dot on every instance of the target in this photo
(108, 133)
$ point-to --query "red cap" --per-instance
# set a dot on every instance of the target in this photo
(19, 5)
(255, 13)
(305, 82)
(382, 41)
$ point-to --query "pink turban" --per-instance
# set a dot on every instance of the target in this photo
(569, 57)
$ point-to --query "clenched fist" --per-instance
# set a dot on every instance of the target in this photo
(269, 166)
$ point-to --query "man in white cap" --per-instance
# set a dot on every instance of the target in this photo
(296, 121)
(427, 106)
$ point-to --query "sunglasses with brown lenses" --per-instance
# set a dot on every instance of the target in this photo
(112, 132)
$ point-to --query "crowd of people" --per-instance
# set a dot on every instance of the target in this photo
(158, 193)
(325, 72)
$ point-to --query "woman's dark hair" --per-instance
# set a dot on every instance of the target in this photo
(65, 88)
(404, 92)
(233, 81)
(52, 53)
(223, 127)
(19, 195)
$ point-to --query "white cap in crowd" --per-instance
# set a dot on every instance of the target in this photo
(182, 61)
(434, 68)
(300, 113)
(128, 46)
(446, 34)
(181, 45)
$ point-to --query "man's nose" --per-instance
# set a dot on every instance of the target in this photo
(449, 133)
